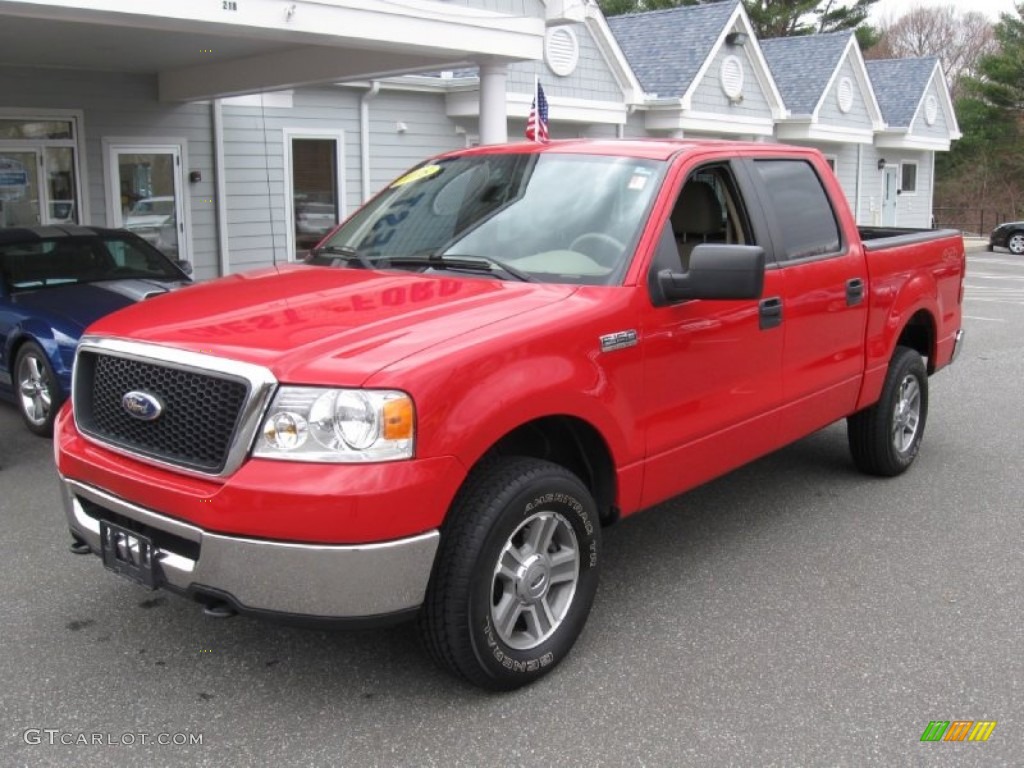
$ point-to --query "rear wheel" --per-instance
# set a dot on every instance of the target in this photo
(38, 394)
(515, 574)
(885, 438)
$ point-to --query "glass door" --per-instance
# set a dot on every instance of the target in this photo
(21, 203)
(314, 179)
(147, 195)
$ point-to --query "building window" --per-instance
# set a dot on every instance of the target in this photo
(832, 161)
(39, 177)
(908, 174)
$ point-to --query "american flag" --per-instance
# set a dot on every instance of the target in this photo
(537, 122)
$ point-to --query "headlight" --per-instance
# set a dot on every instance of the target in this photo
(337, 425)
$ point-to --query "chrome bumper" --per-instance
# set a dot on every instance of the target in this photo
(307, 580)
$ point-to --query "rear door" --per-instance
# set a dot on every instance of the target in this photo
(824, 302)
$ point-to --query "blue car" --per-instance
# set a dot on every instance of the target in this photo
(54, 282)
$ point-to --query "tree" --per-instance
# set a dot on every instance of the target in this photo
(958, 39)
(776, 18)
(984, 171)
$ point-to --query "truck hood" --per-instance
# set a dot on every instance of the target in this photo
(313, 325)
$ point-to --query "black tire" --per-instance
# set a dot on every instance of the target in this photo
(36, 390)
(885, 438)
(502, 505)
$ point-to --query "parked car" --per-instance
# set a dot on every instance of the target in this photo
(505, 350)
(1010, 236)
(155, 220)
(55, 281)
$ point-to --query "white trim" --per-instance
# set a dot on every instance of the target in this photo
(176, 146)
(465, 103)
(221, 187)
(675, 118)
(902, 139)
(269, 100)
(806, 129)
(288, 135)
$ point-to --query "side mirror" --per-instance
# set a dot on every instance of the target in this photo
(717, 272)
(184, 265)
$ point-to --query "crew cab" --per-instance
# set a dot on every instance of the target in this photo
(505, 350)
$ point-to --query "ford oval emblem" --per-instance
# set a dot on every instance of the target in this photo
(142, 405)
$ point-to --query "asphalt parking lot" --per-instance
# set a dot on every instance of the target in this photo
(793, 613)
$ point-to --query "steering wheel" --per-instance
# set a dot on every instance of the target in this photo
(601, 247)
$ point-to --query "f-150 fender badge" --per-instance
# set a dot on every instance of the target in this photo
(619, 340)
(142, 405)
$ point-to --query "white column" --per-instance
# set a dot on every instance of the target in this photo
(493, 104)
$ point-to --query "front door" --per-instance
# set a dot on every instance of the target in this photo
(712, 369)
(890, 192)
(146, 193)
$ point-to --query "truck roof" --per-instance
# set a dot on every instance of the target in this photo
(652, 149)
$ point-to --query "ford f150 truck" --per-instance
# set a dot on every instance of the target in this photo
(505, 350)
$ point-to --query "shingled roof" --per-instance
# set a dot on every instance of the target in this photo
(899, 86)
(666, 49)
(802, 66)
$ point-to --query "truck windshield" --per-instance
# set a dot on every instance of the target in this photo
(544, 217)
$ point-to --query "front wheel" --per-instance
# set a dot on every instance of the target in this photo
(38, 394)
(515, 574)
(1016, 243)
(885, 438)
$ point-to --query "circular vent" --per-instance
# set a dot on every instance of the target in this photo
(732, 77)
(561, 50)
(931, 110)
(844, 94)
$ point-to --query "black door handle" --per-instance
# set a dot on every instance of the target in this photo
(770, 312)
(854, 291)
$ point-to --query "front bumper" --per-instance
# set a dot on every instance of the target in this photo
(291, 580)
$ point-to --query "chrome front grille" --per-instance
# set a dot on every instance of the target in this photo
(209, 407)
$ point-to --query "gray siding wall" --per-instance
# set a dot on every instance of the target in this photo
(125, 106)
(255, 160)
(592, 79)
(709, 96)
(940, 128)
(912, 210)
(830, 113)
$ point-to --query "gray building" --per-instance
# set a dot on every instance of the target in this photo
(235, 139)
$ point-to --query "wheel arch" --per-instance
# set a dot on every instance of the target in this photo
(919, 334)
(570, 442)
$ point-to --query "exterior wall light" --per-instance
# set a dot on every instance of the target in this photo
(736, 38)
(881, 163)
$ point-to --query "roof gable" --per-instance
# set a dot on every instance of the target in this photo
(900, 85)
(804, 66)
(668, 48)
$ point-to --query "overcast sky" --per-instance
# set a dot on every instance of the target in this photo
(893, 9)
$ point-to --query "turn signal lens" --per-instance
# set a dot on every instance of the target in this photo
(398, 419)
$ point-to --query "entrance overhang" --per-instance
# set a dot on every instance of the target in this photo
(203, 50)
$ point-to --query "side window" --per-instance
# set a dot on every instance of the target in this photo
(801, 209)
(908, 174)
(708, 210)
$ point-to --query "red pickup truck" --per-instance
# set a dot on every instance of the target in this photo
(505, 350)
